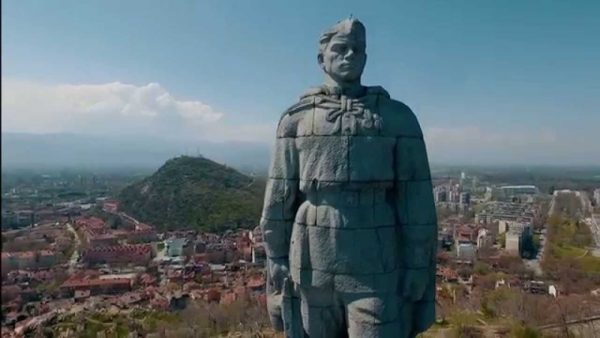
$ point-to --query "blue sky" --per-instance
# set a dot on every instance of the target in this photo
(502, 81)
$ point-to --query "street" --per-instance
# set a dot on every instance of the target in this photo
(595, 227)
(535, 264)
(75, 256)
(593, 221)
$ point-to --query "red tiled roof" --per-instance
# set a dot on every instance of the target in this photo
(93, 222)
(256, 282)
(447, 272)
(27, 254)
(95, 282)
(123, 249)
(143, 226)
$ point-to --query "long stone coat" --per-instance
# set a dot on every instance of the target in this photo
(349, 199)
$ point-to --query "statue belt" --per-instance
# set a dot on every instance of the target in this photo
(348, 198)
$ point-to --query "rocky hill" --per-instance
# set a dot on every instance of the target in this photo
(195, 192)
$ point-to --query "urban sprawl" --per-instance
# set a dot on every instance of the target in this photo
(87, 254)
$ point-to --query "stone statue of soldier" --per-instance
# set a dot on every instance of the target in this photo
(349, 220)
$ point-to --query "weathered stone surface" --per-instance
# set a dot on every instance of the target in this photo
(349, 206)
(411, 159)
(284, 152)
(322, 158)
(369, 158)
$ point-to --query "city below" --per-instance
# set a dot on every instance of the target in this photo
(75, 263)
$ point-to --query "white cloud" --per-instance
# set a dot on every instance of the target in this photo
(99, 109)
(118, 109)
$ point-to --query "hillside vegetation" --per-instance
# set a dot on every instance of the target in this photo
(195, 192)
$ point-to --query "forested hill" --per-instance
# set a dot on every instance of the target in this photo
(195, 192)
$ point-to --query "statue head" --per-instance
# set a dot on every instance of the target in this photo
(342, 51)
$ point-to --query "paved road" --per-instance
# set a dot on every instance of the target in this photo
(593, 221)
(75, 255)
(595, 226)
(586, 204)
(535, 264)
(552, 206)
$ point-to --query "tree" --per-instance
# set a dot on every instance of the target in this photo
(114, 222)
(481, 268)
(528, 247)
(501, 239)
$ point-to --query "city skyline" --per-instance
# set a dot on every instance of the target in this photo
(497, 83)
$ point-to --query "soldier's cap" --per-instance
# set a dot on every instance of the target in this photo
(349, 27)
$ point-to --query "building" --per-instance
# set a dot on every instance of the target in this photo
(513, 243)
(508, 192)
(466, 252)
(519, 240)
(90, 223)
(139, 254)
(465, 199)
(445, 241)
(258, 250)
(440, 194)
(259, 254)
(518, 227)
(28, 260)
(465, 233)
(110, 206)
(446, 274)
(535, 286)
(19, 218)
(502, 226)
(95, 236)
(142, 236)
(482, 238)
(179, 247)
(505, 211)
(96, 286)
(453, 196)
(244, 246)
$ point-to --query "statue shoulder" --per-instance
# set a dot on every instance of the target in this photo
(288, 123)
(379, 91)
(398, 118)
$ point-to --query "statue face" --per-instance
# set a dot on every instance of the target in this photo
(344, 58)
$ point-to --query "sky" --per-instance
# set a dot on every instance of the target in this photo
(491, 82)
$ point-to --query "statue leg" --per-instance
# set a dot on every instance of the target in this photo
(322, 313)
(373, 315)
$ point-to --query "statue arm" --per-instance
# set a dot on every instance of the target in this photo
(417, 221)
(277, 220)
(281, 200)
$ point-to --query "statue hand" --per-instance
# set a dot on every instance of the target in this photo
(414, 283)
(278, 270)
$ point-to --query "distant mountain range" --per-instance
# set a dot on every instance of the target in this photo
(195, 192)
(58, 151)
(79, 151)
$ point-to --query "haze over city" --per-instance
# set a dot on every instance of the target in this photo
(503, 83)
